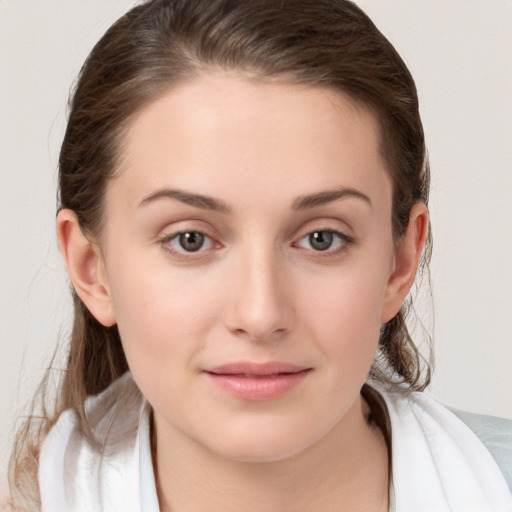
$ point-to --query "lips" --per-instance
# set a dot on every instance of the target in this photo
(257, 381)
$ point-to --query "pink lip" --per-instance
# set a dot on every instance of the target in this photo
(257, 381)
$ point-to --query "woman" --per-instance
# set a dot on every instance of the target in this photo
(244, 193)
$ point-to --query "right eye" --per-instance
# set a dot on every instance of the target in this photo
(187, 242)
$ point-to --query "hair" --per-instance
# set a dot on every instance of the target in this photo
(162, 43)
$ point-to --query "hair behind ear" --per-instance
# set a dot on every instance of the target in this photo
(401, 353)
(397, 349)
(96, 357)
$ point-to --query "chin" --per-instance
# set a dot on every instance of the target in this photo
(263, 442)
(260, 450)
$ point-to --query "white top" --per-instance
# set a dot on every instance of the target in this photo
(438, 463)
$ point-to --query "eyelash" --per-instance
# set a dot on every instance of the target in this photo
(182, 254)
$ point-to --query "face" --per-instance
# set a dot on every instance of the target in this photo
(247, 254)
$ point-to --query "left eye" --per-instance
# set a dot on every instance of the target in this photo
(189, 241)
(323, 240)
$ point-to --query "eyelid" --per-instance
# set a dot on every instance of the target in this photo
(324, 223)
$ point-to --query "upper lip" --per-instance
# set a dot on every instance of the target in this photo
(259, 369)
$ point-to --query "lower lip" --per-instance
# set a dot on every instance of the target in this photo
(267, 387)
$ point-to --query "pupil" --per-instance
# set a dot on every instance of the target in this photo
(320, 240)
(192, 241)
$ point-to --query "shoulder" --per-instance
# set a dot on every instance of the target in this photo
(433, 448)
(112, 419)
(82, 472)
(496, 434)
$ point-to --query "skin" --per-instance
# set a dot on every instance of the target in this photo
(257, 290)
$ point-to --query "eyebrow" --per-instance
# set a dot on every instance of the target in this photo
(327, 196)
(197, 200)
(209, 203)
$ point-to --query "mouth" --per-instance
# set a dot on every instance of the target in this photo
(257, 381)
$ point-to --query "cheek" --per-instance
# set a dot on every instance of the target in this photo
(345, 312)
(161, 315)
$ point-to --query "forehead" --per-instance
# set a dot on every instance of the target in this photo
(224, 132)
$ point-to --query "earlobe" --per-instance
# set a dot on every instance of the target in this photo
(85, 267)
(407, 255)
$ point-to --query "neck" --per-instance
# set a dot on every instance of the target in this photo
(346, 470)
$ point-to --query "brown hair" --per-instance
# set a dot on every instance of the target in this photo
(164, 42)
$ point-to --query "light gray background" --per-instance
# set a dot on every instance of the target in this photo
(459, 52)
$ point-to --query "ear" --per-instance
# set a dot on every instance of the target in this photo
(407, 255)
(86, 267)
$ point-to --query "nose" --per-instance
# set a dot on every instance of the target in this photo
(259, 306)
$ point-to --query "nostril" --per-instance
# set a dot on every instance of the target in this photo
(258, 307)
